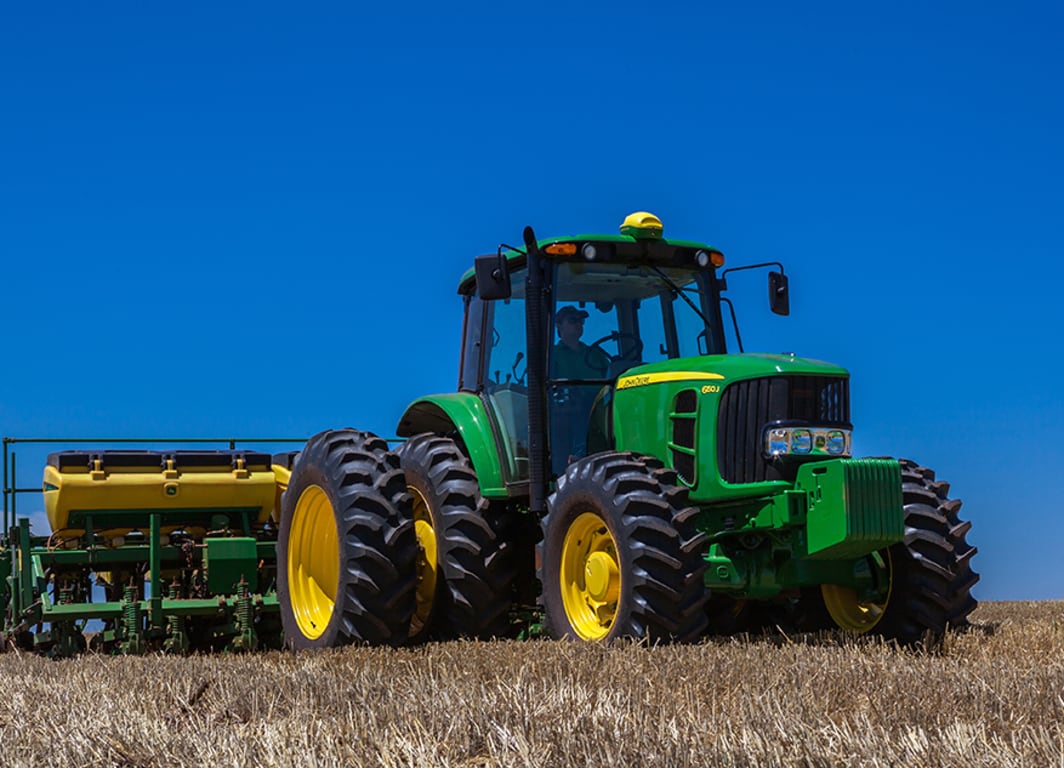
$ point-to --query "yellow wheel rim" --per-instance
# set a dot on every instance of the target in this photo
(313, 562)
(590, 577)
(427, 563)
(850, 612)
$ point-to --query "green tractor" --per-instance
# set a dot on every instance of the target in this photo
(604, 439)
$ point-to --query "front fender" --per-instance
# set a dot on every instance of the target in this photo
(464, 413)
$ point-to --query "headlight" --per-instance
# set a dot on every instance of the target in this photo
(801, 441)
(838, 442)
(806, 441)
(777, 442)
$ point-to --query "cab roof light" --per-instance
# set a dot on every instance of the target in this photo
(705, 258)
(561, 249)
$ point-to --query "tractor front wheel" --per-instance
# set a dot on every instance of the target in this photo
(924, 583)
(621, 556)
(346, 545)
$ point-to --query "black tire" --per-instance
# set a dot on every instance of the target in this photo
(368, 511)
(928, 498)
(474, 555)
(930, 572)
(658, 552)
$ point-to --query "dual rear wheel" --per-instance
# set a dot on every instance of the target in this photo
(383, 547)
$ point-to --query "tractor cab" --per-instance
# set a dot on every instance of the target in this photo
(609, 305)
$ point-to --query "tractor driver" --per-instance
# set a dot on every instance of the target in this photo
(573, 359)
(571, 404)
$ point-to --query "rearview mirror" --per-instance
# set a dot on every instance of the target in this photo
(493, 277)
(778, 297)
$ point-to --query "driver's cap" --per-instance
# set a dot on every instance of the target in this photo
(569, 314)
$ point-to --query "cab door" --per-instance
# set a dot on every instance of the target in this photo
(494, 364)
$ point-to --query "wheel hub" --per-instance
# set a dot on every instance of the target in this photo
(602, 577)
(590, 577)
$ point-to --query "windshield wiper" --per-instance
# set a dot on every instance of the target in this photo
(679, 292)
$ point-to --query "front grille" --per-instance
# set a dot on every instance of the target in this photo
(747, 406)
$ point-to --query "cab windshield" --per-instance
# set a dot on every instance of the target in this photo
(607, 319)
(629, 315)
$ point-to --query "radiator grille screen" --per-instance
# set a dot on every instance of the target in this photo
(747, 406)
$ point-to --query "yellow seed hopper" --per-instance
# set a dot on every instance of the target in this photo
(194, 490)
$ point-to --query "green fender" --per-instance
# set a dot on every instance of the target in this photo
(465, 413)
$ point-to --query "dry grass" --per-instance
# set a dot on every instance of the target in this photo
(992, 696)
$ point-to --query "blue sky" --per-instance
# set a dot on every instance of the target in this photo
(250, 219)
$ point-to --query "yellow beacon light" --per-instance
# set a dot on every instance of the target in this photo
(642, 226)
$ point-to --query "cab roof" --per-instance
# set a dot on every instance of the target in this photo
(516, 259)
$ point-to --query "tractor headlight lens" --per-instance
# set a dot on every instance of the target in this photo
(806, 441)
(702, 258)
(778, 442)
(836, 442)
(589, 252)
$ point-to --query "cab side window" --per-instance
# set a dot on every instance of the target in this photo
(505, 382)
(469, 372)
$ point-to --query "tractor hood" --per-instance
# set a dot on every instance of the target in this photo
(706, 416)
(722, 369)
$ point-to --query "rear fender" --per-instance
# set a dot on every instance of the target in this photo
(464, 413)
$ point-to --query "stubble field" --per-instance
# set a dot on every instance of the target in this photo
(992, 696)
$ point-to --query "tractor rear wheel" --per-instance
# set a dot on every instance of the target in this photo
(465, 567)
(346, 545)
(925, 581)
(621, 556)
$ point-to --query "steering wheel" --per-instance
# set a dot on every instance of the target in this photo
(633, 354)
